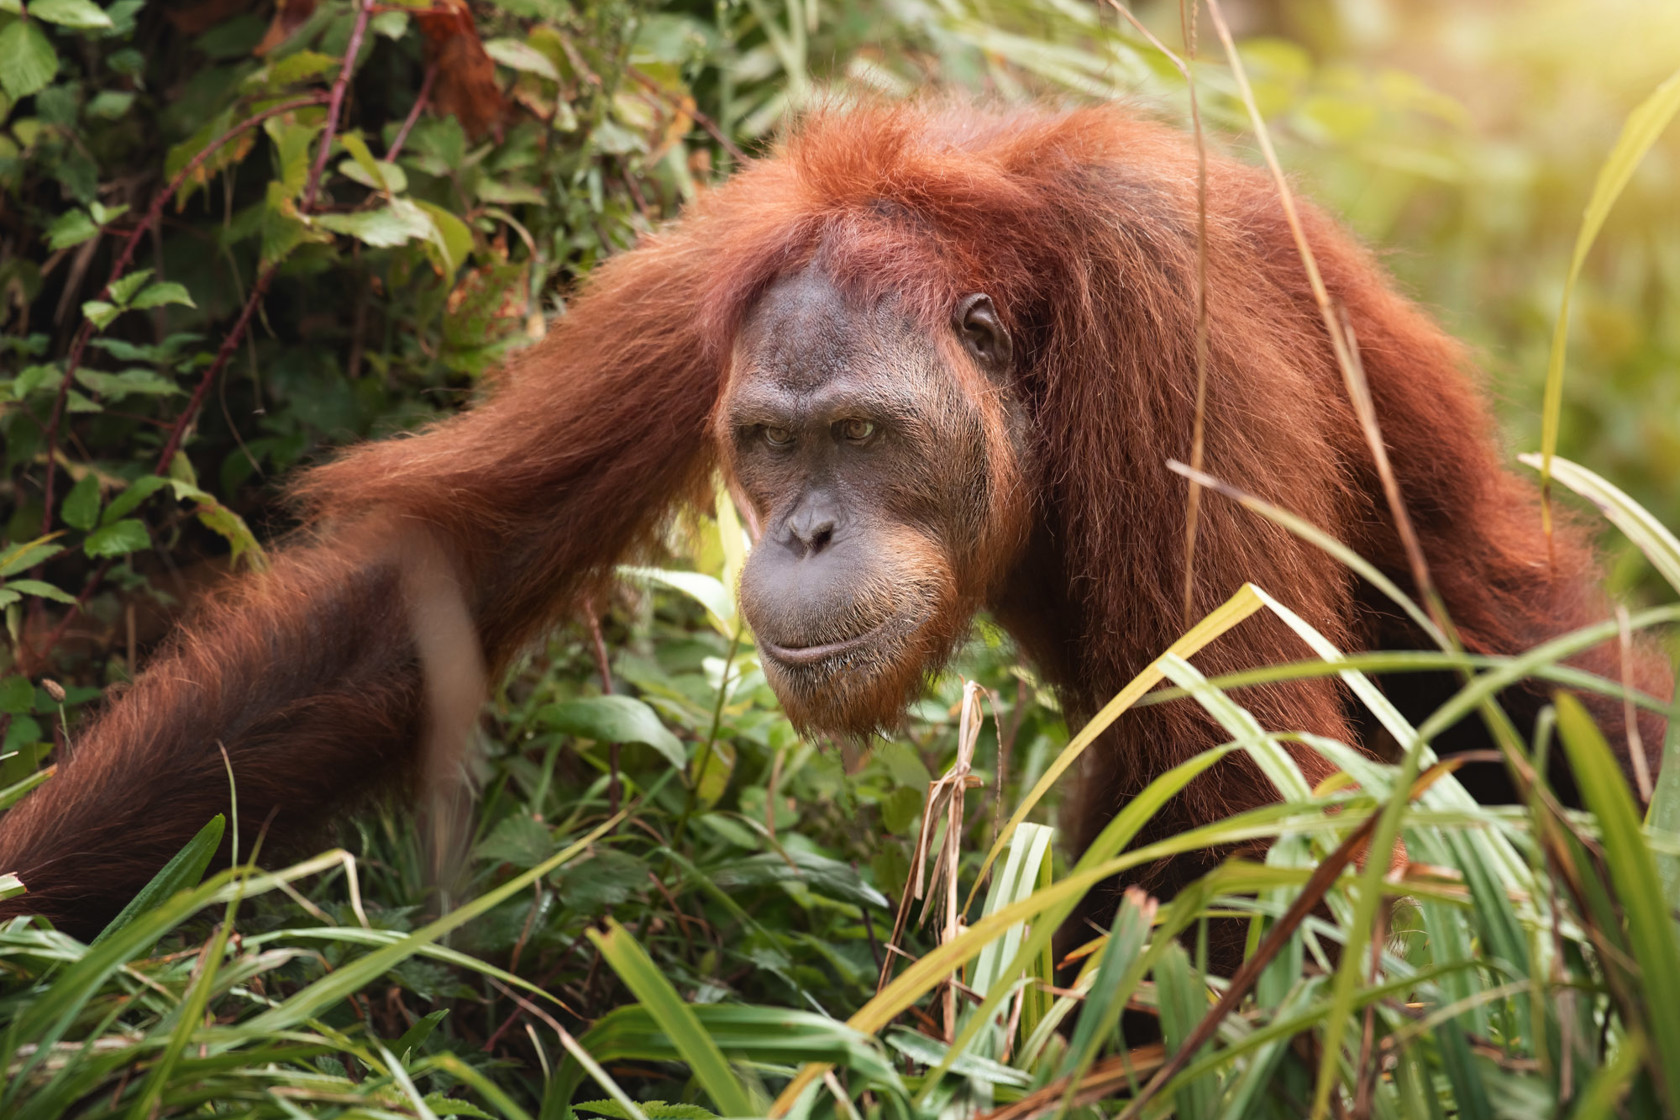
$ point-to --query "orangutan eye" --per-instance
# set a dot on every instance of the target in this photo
(777, 437)
(856, 430)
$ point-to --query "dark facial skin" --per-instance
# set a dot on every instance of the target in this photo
(876, 475)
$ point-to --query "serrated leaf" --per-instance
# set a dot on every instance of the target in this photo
(386, 177)
(613, 719)
(117, 539)
(291, 153)
(396, 224)
(81, 505)
(79, 14)
(100, 312)
(437, 1102)
(359, 153)
(123, 289)
(22, 557)
(232, 528)
(41, 589)
(138, 491)
(517, 55)
(27, 59)
(161, 293)
(115, 386)
(70, 228)
(449, 236)
(299, 67)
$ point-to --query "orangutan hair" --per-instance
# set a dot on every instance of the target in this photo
(1025, 280)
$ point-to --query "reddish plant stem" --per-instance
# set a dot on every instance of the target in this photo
(154, 214)
(335, 106)
(37, 662)
(710, 126)
(229, 345)
(413, 114)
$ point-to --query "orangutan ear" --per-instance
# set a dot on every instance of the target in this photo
(982, 334)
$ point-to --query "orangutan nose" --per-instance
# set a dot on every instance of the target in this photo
(811, 528)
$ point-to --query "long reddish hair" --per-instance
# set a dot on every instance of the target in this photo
(1081, 225)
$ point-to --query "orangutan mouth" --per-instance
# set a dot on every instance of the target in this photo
(815, 655)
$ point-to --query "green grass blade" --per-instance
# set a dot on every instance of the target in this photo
(1238, 607)
(1599, 1100)
(1117, 976)
(189, 1017)
(181, 873)
(338, 985)
(1641, 130)
(1183, 1002)
(655, 993)
(1633, 872)
(1634, 520)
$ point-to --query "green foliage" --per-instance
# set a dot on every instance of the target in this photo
(165, 358)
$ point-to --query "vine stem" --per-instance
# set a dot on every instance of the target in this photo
(336, 105)
(125, 257)
(177, 433)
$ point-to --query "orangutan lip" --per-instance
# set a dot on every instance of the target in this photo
(811, 655)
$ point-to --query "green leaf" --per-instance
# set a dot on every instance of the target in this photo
(825, 876)
(387, 177)
(42, 590)
(676, 1018)
(123, 289)
(70, 228)
(181, 873)
(100, 312)
(291, 153)
(706, 590)
(110, 104)
(161, 293)
(299, 67)
(115, 386)
(79, 14)
(449, 236)
(417, 1035)
(517, 55)
(17, 695)
(613, 719)
(117, 539)
(1183, 1001)
(1633, 872)
(21, 557)
(138, 491)
(81, 505)
(228, 525)
(360, 155)
(395, 224)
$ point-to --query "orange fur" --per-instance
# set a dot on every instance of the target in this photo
(1080, 225)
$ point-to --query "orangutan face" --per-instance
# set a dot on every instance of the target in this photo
(882, 460)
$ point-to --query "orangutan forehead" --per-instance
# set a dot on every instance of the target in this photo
(807, 333)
